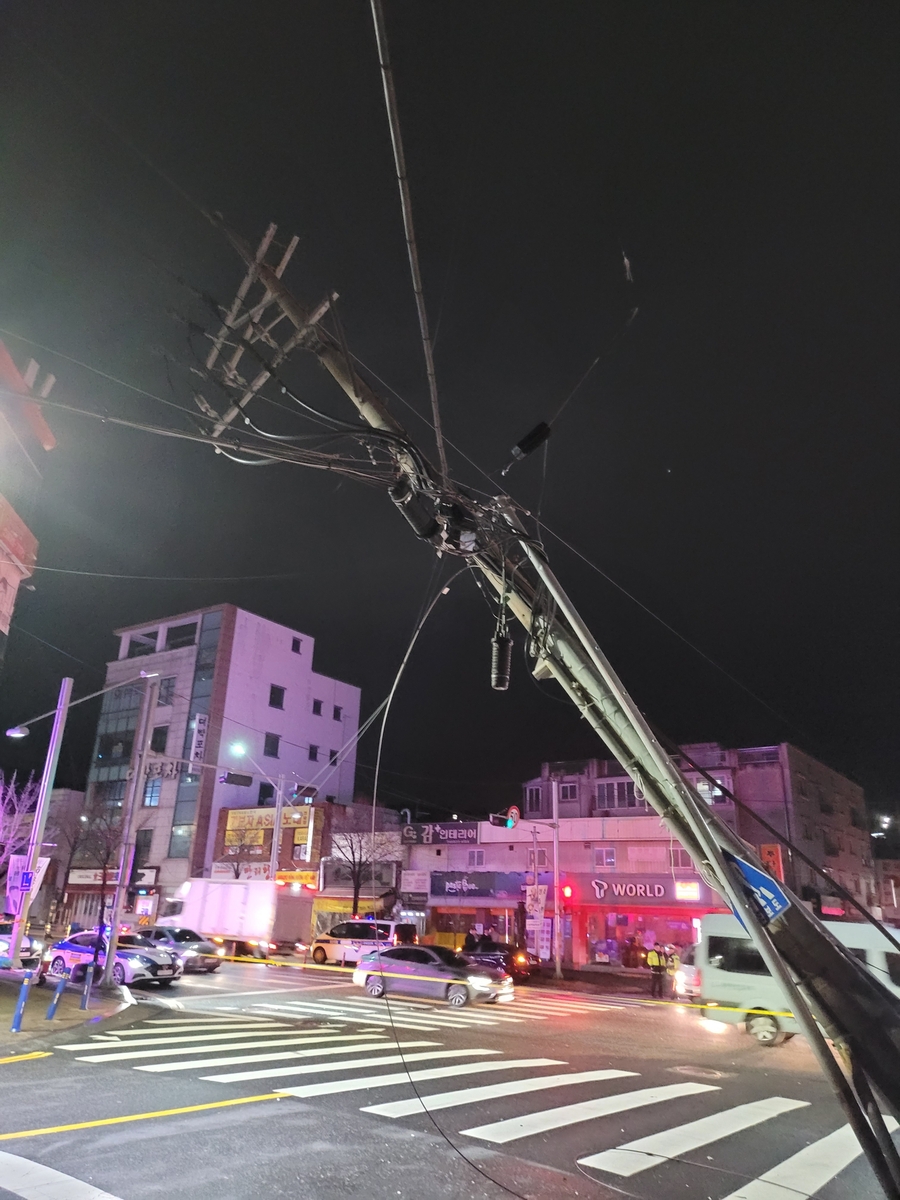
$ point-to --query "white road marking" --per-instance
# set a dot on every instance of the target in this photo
(391, 1013)
(208, 1018)
(274, 1030)
(283, 1010)
(646, 1152)
(805, 1172)
(399, 1077)
(491, 1091)
(170, 1051)
(315, 1053)
(427, 1055)
(555, 1118)
(34, 1181)
(185, 1026)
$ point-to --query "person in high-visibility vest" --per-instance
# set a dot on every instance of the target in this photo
(656, 961)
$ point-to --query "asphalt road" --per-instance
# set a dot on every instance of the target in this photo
(296, 1084)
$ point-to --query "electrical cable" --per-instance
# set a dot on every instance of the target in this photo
(444, 588)
(390, 100)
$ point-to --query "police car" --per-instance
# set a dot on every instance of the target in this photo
(345, 943)
(138, 960)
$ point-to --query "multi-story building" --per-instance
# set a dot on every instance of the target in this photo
(820, 811)
(237, 693)
(25, 438)
(887, 876)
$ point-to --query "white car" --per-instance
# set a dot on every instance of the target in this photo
(345, 943)
(137, 959)
(31, 948)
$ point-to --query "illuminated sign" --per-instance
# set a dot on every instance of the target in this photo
(687, 889)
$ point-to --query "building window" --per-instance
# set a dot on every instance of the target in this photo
(179, 636)
(266, 794)
(300, 853)
(317, 708)
(337, 712)
(533, 799)
(166, 691)
(710, 792)
(112, 793)
(180, 841)
(114, 747)
(476, 858)
(142, 842)
(276, 696)
(618, 795)
(825, 806)
(680, 859)
(140, 644)
(332, 757)
(568, 791)
(295, 645)
(542, 859)
(331, 799)
(314, 754)
(271, 743)
(152, 789)
(604, 858)
(159, 738)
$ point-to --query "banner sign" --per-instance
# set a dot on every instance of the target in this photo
(198, 741)
(264, 818)
(21, 882)
(440, 833)
(535, 899)
(143, 877)
(415, 881)
(503, 885)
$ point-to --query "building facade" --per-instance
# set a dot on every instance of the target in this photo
(238, 696)
(821, 811)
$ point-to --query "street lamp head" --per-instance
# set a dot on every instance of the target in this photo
(18, 731)
(238, 749)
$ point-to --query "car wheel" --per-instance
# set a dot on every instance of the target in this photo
(212, 970)
(457, 995)
(319, 956)
(766, 1030)
(58, 966)
(375, 986)
(118, 974)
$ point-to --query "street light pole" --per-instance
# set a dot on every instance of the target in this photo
(557, 930)
(40, 813)
(143, 735)
(277, 831)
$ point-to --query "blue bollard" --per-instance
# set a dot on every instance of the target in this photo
(16, 1026)
(60, 988)
(88, 979)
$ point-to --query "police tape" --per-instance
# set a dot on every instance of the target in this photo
(706, 1009)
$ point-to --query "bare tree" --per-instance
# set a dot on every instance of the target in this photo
(100, 844)
(357, 851)
(242, 846)
(17, 804)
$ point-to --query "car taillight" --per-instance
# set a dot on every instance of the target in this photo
(521, 958)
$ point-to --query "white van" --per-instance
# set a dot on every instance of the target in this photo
(346, 942)
(735, 985)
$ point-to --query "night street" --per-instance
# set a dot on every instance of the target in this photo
(560, 1089)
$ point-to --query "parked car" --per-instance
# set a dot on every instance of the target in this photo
(346, 942)
(32, 948)
(138, 960)
(504, 957)
(432, 971)
(195, 952)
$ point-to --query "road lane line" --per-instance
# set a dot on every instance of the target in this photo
(570, 1114)
(209, 1019)
(399, 1077)
(169, 1051)
(271, 1031)
(491, 1091)
(385, 1044)
(24, 1057)
(145, 1116)
(34, 1181)
(804, 1173)
(313, 1069)
(633, 1157)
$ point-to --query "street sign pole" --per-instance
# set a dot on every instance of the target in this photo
(48, 778)
(557, 930)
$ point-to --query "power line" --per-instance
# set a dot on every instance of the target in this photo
(390, 100)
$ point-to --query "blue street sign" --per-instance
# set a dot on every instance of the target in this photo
(26, 880)
(770, 900)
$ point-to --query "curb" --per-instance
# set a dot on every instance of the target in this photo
(128, 1011)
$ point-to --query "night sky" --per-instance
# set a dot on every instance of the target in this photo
(730, 462)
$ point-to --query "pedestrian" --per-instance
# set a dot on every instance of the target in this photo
(673, 962)
(487, 943)
(470, 944)
(656, 961)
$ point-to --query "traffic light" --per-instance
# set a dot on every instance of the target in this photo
(567, 892)
(509, 819)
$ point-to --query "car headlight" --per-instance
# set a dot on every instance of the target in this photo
(142, 959)
(480, 981)
(189, 954)
(37, 947)
(221, 952)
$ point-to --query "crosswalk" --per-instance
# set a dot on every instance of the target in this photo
(429, 1016)
(491, 1097)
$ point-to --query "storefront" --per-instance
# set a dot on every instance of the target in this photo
(611, 918)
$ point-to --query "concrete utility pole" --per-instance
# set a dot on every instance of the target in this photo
(39, 824)
(277, 831)
(134, 794)
(856, 1010)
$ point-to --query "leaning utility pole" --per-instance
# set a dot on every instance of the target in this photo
(828, 989)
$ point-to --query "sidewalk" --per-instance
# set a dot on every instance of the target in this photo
(608, 980)
(35, 1028)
